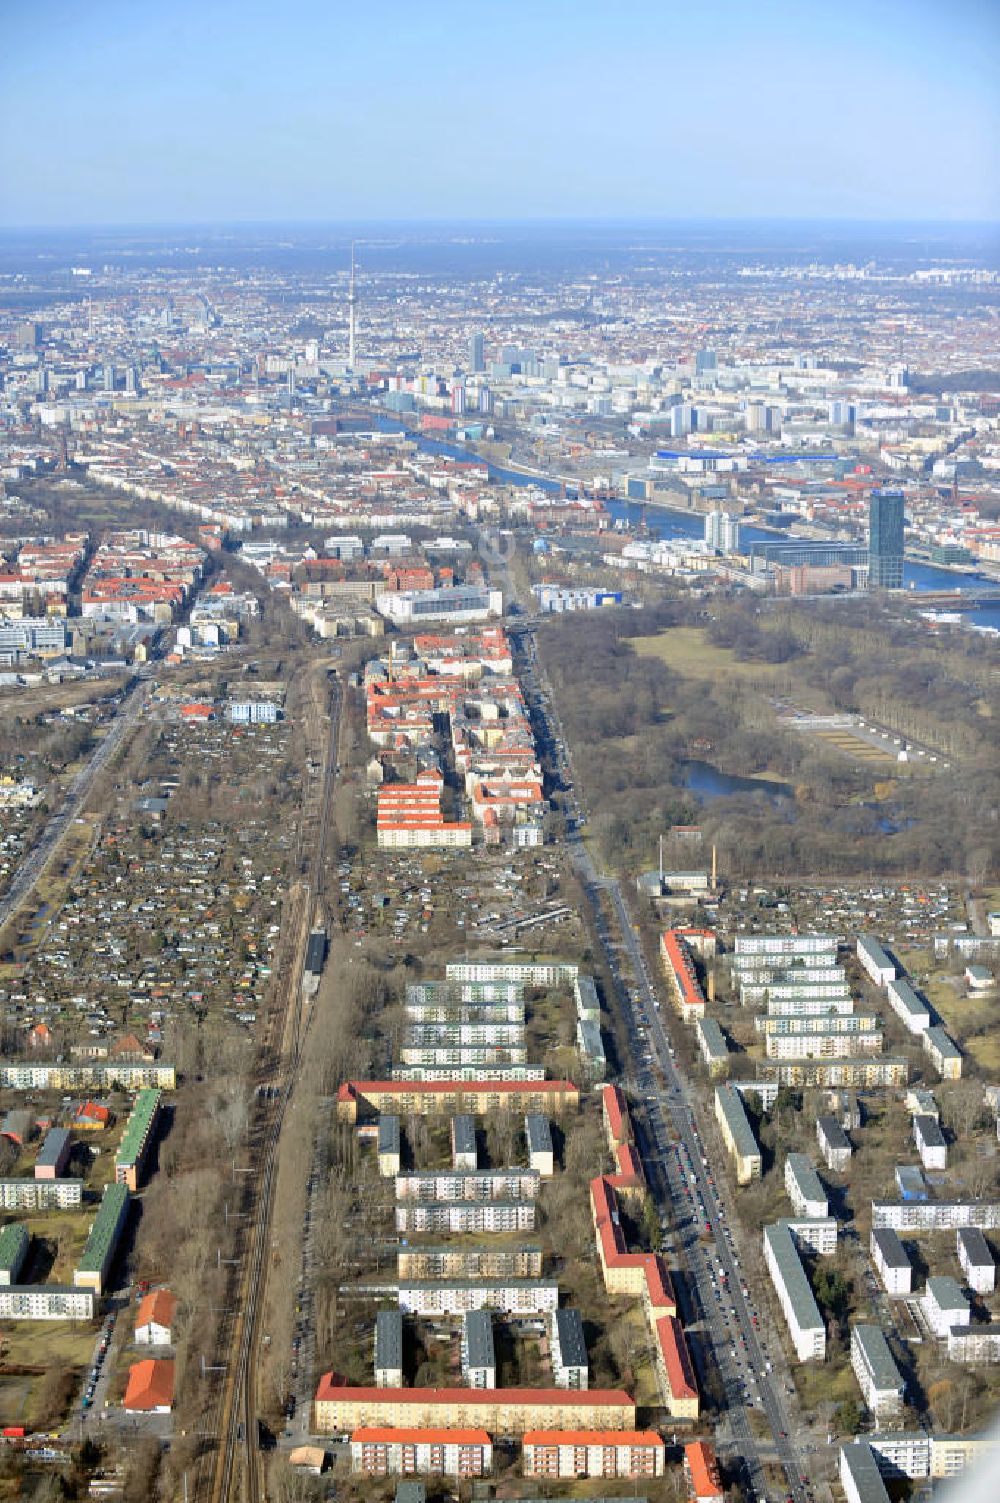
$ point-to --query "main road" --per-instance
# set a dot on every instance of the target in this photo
(676, 1156)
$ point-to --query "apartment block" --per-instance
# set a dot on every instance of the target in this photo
(388, 1144)
(492, 1260)
(880, 1070)
(834, 1144)
(464, 1152)
(508, 1412)
(40, 1194)
(914, 1014)
(889, 1257)
(976, 1260)
(54, 1154)
(470, 1216)
(944, 1306)
(389, 1349)
(737, 1134)
(538, 1135)
(570, 1368)
(701, 1471)
(512, 1296)
(816, 1234)
(378, 1451)
(467, 1184)
(712, 1045)
(592, 1453)
(14, 1244)
(874, 961)
(45, 1302)
(137, 1139)
(975, 1344)
(879, 1379)
(943, 1053)
(803, 1187)
(479, 1362)
(102, 1242)
(675, 1370)
(798, 1304)
(852, 1044)
(859, 1474)
(931, 1146)
(936, 1215)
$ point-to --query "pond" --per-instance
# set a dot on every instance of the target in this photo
(708, 783)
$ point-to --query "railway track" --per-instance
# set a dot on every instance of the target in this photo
(239, 1455)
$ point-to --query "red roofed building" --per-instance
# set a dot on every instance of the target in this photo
(702, 1472)
(674, 1369)
(150, 1387)
(383, 1451)
(593, 1453)
(154, 1319)
(91, 1116)
(501, 1411)
(688, 995)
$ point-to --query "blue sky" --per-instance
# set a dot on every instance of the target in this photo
(159, 111)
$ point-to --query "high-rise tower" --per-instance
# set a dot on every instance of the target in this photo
(885, 540)
(351, 314)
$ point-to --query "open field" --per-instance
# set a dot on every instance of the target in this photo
(687, 650)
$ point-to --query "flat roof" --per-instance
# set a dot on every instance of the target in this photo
(477, 1334)
(389, 1338)
(538, 1133)
(878, 1358)
(793, 1276)
(13, 1245)
(977, 1249)
(929, 1129)
(572, 1344)
(739, 1123)
(891, 1249)
(943, 1042)
(833, 1133)
(104, 1230)
(138, 1126)
(947, 1292)
(859, 1460)
(388, 1133)
(808, 1181)
(711, 1033)
(463, 1133)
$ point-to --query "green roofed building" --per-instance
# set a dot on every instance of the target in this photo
(102, 1243)
(137, 1138)
(14, 1243)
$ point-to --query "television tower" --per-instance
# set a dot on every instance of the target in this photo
(352, 303)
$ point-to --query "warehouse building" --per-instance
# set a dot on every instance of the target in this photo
(737, 1134)
(889, 1257)
(803, 1187)
(798, 1304)
(879, 1378)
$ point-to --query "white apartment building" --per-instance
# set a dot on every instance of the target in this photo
(935, 1215)
(931, 1146)
(879, 1378)
(944, 1305)
(976, 1259)
(467, 1184)
(834, 1144)
(889, 1257)
(854, 1044)
(479, 1362)
(468, 1216)
(568, 1348)
(815, 1234)
(45, 1302)
(914, 1014)
(944, 1054)
(798, 1304)
(874, 961)
(803, 1187)
(40, 1194)
(512, 1296)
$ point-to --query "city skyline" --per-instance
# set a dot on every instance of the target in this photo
(225, 113)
